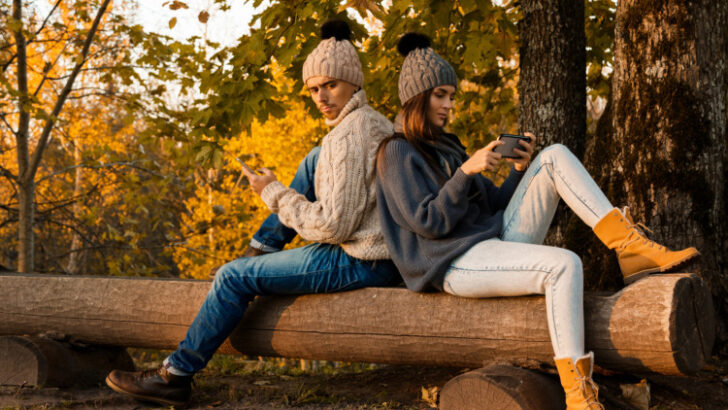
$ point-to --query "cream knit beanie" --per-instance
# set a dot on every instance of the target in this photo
(335, 56)
(422, 69)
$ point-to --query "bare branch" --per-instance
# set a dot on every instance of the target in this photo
(129, 164)
(48, 68)
(50, 13)
(99, 68)
(7, 174)
(29, 173)
(7, 124)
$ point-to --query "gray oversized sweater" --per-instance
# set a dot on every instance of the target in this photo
(426, 226)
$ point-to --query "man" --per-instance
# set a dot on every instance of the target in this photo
(333, 206)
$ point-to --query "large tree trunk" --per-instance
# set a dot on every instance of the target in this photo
(663, 150)
(552, 87)
(661, 324)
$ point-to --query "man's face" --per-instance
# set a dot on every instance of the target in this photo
(330, 94)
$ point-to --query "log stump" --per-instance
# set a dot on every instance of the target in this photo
(502, 387)
(39, 361)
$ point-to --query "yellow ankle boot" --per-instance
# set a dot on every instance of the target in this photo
(581, 391)
(637, 255)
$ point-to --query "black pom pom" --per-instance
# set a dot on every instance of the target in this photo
(411, 41)
(338, 29)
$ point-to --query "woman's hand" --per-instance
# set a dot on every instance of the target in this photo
(483, 159)
(259, 182)
(520, 164)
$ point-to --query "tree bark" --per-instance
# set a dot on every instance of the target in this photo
(552, 85)
(660, 324)
(76, 259)
(663, 149)
(26, 190)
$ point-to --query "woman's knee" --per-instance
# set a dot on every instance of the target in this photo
(568, 265)
(555, 151)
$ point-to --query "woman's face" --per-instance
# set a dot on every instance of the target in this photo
(440, 105)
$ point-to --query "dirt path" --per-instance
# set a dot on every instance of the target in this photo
(235, 383)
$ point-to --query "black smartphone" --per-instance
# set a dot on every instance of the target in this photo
(510, 142)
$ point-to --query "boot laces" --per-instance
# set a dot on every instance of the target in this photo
(147, 373)
(637, 233)
(584, 386)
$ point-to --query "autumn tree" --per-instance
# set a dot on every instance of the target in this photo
(43, 83)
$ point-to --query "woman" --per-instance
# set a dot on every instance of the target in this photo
(449, 228)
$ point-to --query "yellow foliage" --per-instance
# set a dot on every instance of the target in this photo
(224, 213)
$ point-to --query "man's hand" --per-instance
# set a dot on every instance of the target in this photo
(482, 160)
(259, 182)
(520, 164)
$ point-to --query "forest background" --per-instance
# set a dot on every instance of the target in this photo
(119, 147)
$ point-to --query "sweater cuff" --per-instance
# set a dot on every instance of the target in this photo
(460, 175)
(459, 183)
(271, 194)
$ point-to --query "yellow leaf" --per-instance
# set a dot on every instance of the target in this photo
(172, 22)
(203, 16)
(429, 396)
(178, 5)
(637, 395)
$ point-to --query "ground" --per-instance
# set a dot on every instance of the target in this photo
(238, 383)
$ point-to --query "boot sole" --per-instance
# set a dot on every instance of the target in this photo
(157, 400)
(641, 274)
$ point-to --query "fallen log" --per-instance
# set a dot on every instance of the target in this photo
(502, 387)
(661, 324)
(40, 361)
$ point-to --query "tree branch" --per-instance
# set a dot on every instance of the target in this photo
(50, 13)
(48, 68)
(7, 174)
(21, 135)
(29, 173)
(7, 124)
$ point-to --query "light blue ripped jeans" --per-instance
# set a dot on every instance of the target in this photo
(517, 264)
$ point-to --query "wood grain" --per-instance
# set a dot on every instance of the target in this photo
(661, 324)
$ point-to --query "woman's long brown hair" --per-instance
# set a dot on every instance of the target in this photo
(416, 129)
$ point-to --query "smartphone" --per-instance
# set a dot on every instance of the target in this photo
(510, 142)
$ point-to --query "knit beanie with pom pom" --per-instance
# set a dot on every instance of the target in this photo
(335, 56)
(422, 69)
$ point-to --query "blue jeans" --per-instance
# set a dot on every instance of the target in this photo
(272, 235)
(316, 268)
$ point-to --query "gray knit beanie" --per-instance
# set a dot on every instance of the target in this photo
(422, 69)
(335, 56)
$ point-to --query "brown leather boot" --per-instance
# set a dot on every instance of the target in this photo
(158, 386)
(581, 391)
(637, 255)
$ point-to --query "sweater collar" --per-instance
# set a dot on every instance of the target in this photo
(359, 99)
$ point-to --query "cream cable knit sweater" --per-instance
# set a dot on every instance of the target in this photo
(345, 210)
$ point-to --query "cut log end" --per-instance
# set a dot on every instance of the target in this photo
(21, 362)
(692, 324)
(502, 387)
(44, 362)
